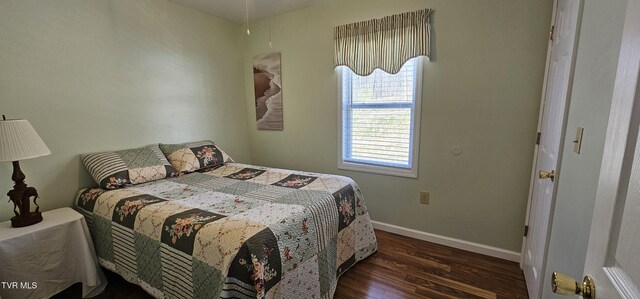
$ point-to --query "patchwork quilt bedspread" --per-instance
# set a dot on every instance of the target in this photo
(236, 231)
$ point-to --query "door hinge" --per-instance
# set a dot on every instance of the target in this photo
(553, 29)
(538, 138)
(526, 230)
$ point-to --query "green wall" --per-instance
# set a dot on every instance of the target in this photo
(595, 70)
(104, 75)
(480, 92)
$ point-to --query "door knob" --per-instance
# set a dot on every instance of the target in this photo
(547, 175)
(565, 285)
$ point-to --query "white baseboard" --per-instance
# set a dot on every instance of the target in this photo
(451, 242)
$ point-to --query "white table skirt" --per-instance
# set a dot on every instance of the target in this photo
(40, 260)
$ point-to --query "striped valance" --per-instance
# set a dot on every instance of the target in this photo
(385, 43)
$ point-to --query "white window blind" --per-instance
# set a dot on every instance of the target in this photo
(379, 119)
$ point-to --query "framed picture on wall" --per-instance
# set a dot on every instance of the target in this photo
(267, 85)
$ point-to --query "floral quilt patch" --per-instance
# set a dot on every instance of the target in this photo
(346, 203)
(180, 229)
(126, 209)
(87, 198)
(246, 174)
(296, 181)
(208, 155)
(258, 262)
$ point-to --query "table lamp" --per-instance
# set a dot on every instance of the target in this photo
(19, 141)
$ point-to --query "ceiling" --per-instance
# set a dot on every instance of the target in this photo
(234, 10)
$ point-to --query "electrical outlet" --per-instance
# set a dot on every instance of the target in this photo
(424, 197)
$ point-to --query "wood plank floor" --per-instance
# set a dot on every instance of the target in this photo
(405, 267)
(402, 268)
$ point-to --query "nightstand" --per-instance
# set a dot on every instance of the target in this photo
(40, 260)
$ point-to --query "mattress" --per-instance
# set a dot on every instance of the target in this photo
(236, 231)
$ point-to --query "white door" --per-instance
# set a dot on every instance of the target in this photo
(613, 256)
(558, 79)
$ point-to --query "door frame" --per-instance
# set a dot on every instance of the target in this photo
(534, 175)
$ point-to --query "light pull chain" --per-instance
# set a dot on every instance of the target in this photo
(246, 6)
(270, 18)
(270, 44)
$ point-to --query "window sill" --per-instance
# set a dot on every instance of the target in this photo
(392, 171)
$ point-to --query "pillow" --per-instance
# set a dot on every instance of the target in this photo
(116, 169)
(193, 156)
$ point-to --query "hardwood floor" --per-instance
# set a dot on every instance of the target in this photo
(402, 268)
(405, 267)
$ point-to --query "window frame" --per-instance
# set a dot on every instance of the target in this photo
(410, 172)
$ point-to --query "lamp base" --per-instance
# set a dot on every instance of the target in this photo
(26, 219)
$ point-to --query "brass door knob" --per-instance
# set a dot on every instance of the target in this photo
(547, 175)
(563, 284)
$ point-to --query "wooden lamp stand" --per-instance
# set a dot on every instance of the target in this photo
(21, 198)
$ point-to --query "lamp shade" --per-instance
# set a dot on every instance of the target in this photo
(20, 141)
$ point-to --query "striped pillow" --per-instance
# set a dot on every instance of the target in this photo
(112, 170)
(193, 156)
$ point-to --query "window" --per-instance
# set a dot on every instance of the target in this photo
(380, 120)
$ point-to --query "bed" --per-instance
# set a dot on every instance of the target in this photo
(231, 231)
